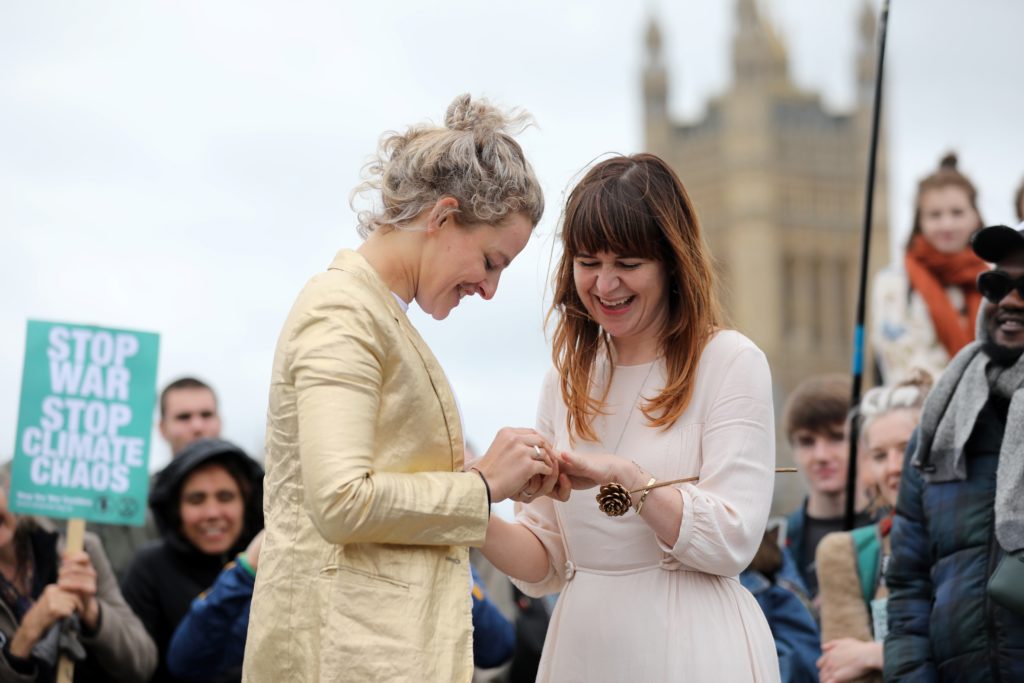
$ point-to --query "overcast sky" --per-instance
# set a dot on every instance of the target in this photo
(184, 167)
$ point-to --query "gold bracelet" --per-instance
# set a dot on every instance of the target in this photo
(614, 499)
(643, 496)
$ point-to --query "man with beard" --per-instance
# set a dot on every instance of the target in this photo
(960, 513)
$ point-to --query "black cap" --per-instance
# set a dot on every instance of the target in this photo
(996, 242)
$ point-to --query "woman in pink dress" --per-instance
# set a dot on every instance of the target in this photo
(647, 387)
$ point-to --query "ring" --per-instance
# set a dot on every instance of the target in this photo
(528, 494)
(539, 456)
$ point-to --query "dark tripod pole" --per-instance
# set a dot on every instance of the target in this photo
(865, 248)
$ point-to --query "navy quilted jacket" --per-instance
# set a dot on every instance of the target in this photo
(942, 625)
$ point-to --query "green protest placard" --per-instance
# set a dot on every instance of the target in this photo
(84, 423)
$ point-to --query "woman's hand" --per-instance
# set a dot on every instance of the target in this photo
(53, 604)
(593, 469)
(538, 484)
(77, 575)
(563, 487)
(513, 461)
(845, 659)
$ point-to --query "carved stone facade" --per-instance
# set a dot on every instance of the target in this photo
(778, 183)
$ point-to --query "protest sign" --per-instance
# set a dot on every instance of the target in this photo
(84, 423)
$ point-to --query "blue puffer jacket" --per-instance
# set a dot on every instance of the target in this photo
(797, 638)
(942, 624)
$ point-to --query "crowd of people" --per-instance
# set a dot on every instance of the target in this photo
(641, 546)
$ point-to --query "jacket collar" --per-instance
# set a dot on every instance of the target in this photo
(353, 262)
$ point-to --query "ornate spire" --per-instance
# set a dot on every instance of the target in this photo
(866, 28)
(653, 41)
(655, 79)
(746, 15)
(867, 24)
(655, 76)
(758, 54)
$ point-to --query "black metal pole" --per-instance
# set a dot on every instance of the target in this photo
(865, 249)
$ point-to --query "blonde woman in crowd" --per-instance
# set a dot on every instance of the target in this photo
(364, 573)
(851, 565)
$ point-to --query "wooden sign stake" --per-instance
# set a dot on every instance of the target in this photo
(75, 543)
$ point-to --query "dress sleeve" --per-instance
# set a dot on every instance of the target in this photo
(121, 645)
(539, 516)
(726, 511)
(337, 360)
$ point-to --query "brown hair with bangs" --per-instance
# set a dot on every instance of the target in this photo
(633, 206)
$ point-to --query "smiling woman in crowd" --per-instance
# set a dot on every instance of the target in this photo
(851, 565)
(208, 504)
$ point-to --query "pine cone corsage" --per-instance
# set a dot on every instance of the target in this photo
(613, 499)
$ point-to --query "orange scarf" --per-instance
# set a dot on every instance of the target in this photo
(931, 272)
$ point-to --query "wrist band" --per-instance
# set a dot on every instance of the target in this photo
(643, 496)
(243, 560)
(486, 486)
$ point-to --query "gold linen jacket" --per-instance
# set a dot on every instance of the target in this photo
(364, 572)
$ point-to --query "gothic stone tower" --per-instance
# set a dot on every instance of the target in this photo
(778, 183)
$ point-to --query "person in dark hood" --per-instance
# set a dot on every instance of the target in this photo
(208, 505)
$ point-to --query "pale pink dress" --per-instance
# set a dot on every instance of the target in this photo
(632, 608)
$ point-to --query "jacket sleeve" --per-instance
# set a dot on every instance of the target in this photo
(494, 637)
(121, 645)
(337, 360)
(907, 649)
(844, 614)
(725, 513)
(211, 638)
(8, 674)
(796, 635)
(143, 595)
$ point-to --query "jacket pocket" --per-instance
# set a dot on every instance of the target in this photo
(363, 578)
(370, 626)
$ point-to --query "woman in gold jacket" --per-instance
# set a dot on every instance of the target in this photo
(370, 510)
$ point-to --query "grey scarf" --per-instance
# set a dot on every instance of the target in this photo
(947, 421)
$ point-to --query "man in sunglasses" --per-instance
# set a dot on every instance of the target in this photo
(956, 578)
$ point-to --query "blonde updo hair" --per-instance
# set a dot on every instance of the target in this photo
(908, 394)
(472, 158)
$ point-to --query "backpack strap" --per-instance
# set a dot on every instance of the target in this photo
(868, 550)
